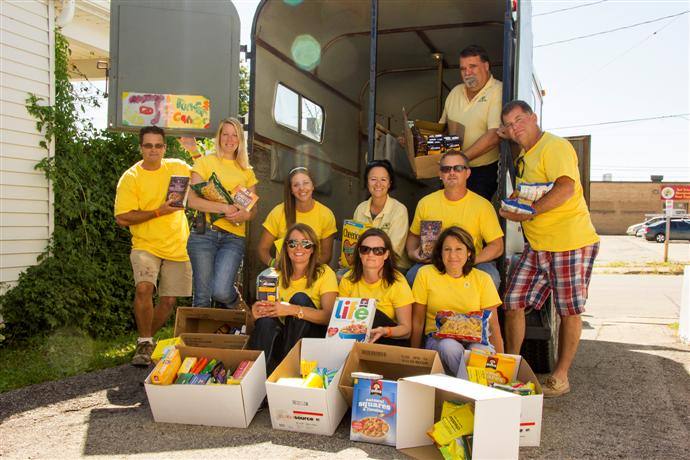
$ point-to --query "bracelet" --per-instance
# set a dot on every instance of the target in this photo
(157, 213)
(389, 332)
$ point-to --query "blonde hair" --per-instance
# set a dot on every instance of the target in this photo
(242, 157)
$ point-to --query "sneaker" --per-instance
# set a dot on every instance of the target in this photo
(552, 387)
(142, 354)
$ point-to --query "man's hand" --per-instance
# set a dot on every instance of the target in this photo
(514, 216)
(166, 208)
(502, 132)
(420, 257)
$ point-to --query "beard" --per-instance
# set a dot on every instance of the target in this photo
(471, 82)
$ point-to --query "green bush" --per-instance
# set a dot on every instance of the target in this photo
(84, 278)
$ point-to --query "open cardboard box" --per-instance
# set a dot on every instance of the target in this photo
(308, 410)
(207, 320)
(496, 416)
(390, 361)
(532, 406)
(214, 405)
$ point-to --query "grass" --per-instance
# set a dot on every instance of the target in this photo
(65, 353)
(661, 268)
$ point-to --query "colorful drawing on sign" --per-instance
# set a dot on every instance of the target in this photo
(166, 110)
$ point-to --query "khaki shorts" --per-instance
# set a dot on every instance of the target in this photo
(175, 277)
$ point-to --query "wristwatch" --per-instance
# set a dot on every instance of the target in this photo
(300, 313)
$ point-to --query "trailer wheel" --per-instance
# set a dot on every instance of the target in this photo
(541, 354)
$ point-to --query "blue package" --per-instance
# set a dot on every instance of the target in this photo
(374, 409)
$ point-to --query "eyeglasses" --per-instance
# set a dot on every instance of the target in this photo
(306, 244)
(379, 251)
(151, 146)
(456, 168)
(520, 166)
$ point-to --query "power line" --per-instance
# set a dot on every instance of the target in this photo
(611, 30)
(679, 115)
(567, 9)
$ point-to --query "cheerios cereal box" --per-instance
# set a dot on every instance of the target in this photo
(374, 409)
(351, 232)
(351, 318)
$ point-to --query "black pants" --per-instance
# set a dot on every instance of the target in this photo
(276, 338)
(382, 320)
(484, 180)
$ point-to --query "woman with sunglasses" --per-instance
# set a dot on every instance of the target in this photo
(374, 276)
(216, 252)
(306, 293)
(298, 206)
(450, 283)
(382, 210)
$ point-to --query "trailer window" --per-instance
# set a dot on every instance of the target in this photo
(298, 113)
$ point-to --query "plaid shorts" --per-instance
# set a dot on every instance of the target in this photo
(564, 274)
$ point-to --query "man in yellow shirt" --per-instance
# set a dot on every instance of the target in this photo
(476, 105)
(561, 241)
(159, 237)
(455, 205)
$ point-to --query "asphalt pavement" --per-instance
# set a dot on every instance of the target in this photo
(630, 399)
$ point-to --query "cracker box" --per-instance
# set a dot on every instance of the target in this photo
(352, 318)
(267, 286)
(374, 409)
(351, 232)
(429, 233)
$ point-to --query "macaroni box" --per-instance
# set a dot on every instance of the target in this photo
(294, 407)
(214, 405)
(374, 409)
(420, 402)
(351, 319)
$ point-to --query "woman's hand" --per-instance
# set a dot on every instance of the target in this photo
(260, 309)
(378, 332)
(278, 309)
(236, 215)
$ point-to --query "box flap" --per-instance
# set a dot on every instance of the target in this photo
(463, 387)
(254, 388)
(412, 422)
(230, 341)
(206, 320)
(330, 354)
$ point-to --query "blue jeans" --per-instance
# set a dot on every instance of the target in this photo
(487, 267)
(216, 258)
(452, 354)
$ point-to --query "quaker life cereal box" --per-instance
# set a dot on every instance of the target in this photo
(352, 318)
(429, 232)
(351, 232)
(374, 409)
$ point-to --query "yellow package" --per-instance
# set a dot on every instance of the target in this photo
(306, 367)
(165, 371)
(449, 407)
(477, 375)
(500, 368)
(459, 423)
(187, 365)
(453, 451)
(351, 231)
(313, 380)
(162, 346)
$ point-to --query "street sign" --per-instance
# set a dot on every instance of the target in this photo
(675, 192)
(669, 207)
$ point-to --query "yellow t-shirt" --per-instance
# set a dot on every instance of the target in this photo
(392, 219)
(472, 213)
(440, 291)
(388, 298)
(230, 175)
(326, 282)
(568, 226)
(320, 219)
(142, 190)
(478, 116)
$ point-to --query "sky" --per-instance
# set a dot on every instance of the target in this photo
(638, 72)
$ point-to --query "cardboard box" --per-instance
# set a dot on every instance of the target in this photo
(496, 416)
(390, 361)
(308, 410)
(226, 341)
(214, 405)
(532, 406)
(208, 320)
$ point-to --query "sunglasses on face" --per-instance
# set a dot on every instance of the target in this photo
(151, 146)
(456, 168)
(306, 244)
(378, 251)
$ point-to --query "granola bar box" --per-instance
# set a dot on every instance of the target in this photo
(352, 318)
(374, 409)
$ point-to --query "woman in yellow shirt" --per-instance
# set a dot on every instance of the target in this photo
(217, 249)
(451, 283)
(374, 276)
(306, 293)
(298, 206)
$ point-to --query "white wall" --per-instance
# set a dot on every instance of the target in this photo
(26, 198)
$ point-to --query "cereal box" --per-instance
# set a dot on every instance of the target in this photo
(351, 231)
(177, 191)
(244, 197)
(267, 286)
(351, 318)
(429, 232)
(374, 409)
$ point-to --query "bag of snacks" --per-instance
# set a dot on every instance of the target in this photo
(463, 327)
(213, 190)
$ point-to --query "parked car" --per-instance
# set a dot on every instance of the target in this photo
(680, 230)
(635, 228)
